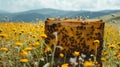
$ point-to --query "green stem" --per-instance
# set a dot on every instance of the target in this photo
(52, 61)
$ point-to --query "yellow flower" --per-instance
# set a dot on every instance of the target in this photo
(116, 53)
(107, 44)
(42, 24)
(23, 60)
(14, 29)
(118, 43)
(88, 64)
(3, 35)
(47, 49)
(43, 35)
(96, 62)
(105, 53)
(61, 55)
(96, 41)
(1, 30)
(35, 44)
(6, 39)
(119, 48)
(4, 49)
(18, 44)
(118, 56)
(23, 53)
(28, 49)
(58, 65)
(65, 65)
(22, 31)
(112, 46)
(103, 59)
(33, 36)
(76, 53)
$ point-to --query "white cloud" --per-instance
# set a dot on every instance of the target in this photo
(22, 5)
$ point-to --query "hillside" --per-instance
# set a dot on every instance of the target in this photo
(112, 18)
(3, 11)
(42, 14)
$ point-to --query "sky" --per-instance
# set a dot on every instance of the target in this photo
(74, 5)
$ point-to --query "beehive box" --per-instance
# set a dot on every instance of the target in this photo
(81, 35)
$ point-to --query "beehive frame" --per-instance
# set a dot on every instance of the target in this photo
(76, 35)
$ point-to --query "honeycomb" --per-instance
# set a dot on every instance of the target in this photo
(82, 35)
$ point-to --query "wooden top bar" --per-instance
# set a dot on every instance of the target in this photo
(73, 20)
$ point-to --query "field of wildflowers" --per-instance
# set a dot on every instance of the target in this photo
(22, 45)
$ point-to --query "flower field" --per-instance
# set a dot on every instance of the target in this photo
(22, 45)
